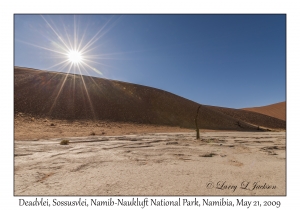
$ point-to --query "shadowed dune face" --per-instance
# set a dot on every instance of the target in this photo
(277, 110)
(75, 97)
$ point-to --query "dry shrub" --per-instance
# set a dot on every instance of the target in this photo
(208, 155)
(64, 142)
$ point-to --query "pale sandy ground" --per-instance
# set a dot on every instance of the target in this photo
(153, 164)
(30, 128)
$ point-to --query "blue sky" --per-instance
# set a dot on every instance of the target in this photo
(231, 61)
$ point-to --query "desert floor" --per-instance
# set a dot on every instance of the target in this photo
(220, 163)
(30, 128)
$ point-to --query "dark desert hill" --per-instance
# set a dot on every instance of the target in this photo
(74, 97)
(277, 110)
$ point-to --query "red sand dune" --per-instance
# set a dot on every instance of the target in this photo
(277, 110)
(74, 97)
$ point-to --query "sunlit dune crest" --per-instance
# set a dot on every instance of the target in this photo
(277, 110)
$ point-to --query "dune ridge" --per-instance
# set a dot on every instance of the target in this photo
(75, 97)
(277, 110)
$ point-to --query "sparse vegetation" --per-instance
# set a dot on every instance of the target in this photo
(208, 155)
(64, 142)
(168, 143)
(92, 133)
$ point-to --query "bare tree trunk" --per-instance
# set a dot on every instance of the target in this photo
(196, 122)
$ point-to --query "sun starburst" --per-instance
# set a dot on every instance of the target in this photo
(75, 56)
(72, 48)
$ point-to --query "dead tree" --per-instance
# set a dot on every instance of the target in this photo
(196, 122)
(238, 124)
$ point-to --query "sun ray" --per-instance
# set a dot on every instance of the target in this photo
(86, 90)
(75, 35)
(67, 34)
(63, 66)
(102, 64)
(65, 62)
(59, 37)
(95, 38)
(71, 45)
(92, 68)
(100, 56)
(91, 41)
(75, 51)
(60, 89)
(91, 49)
(44, 48)
(82, 38)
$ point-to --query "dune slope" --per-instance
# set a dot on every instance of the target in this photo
(74, 97)
(277, 110)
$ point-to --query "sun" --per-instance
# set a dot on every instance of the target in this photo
(69, 45)
(75, 56)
